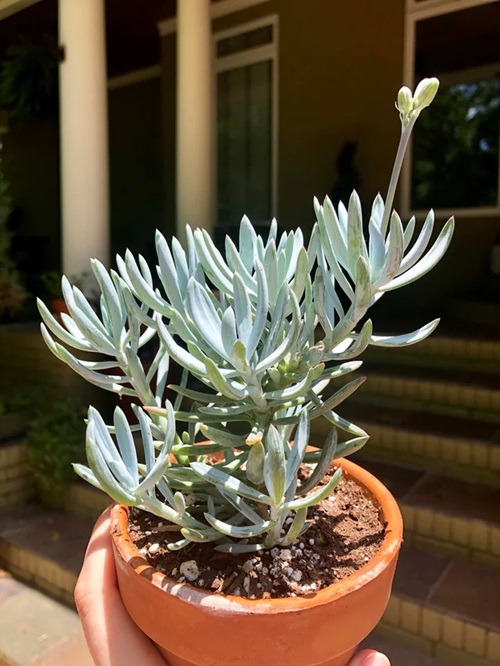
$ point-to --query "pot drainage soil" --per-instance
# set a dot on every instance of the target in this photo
(346, 532)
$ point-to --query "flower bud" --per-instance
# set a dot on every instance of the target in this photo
(425, 93)
(405, 100)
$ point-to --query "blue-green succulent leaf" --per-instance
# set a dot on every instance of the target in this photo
(316, 496)
(229, 483)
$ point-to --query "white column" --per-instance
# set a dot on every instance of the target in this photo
(196, 155)
(83, 134)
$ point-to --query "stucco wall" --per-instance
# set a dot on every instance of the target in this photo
(340, 64)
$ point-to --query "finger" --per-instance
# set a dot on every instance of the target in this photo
(370, 658)
(112, 637)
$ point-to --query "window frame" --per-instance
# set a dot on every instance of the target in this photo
(417, 10)
(253, 56)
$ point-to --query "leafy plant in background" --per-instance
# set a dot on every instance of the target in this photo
(14, 400)
(12, 293)
(55, 439)
(29, 80)
(464, 171)
(265, 330)
(51, 282)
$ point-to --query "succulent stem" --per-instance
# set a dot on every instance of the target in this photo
(396, 170)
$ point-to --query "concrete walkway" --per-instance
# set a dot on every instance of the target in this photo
(35, 630)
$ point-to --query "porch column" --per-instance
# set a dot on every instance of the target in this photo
(83, 134)
(196, 155)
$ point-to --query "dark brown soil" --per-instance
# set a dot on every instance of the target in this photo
(345, 533)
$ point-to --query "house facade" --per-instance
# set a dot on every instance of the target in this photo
(257, 106)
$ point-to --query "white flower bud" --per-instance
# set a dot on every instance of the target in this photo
(405, 100)
(425, 93)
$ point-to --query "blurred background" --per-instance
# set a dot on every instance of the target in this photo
(119, 117)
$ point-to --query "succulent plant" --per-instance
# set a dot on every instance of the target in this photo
(263, 329)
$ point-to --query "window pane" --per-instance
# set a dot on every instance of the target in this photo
(455, 150)
(245, 41)
(455, 157)
(244, 144)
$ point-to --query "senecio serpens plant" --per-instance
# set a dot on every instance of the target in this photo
(265, 330)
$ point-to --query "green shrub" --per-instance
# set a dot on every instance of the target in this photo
(56, 437)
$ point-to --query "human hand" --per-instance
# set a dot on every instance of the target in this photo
(112, 637)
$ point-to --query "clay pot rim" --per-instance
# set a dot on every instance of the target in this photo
(130, 556)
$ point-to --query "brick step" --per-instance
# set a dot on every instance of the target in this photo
(44, 548)
(469, 395)
(444, 607)
(443, 351)
(444, 514)
(84, 500)
(455, 446)
(16, 486)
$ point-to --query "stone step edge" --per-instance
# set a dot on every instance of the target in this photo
(412, 362)
(436, 632)
(448, 392)
(454, 470)
(427, 451)
(41, 572)
(425, 404)
(466, 538)
(451, 347)
(462, 451)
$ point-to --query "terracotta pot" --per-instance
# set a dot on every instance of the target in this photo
(196, 628)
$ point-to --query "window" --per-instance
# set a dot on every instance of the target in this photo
(454, 158)
(246, 123)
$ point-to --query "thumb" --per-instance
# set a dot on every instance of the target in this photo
(370, 658)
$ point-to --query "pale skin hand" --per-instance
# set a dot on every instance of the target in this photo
(112, 637)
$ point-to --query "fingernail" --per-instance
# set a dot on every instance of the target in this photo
(375, 659)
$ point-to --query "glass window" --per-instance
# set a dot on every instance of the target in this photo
(245, 111)
(245, 41)
(455, 156)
